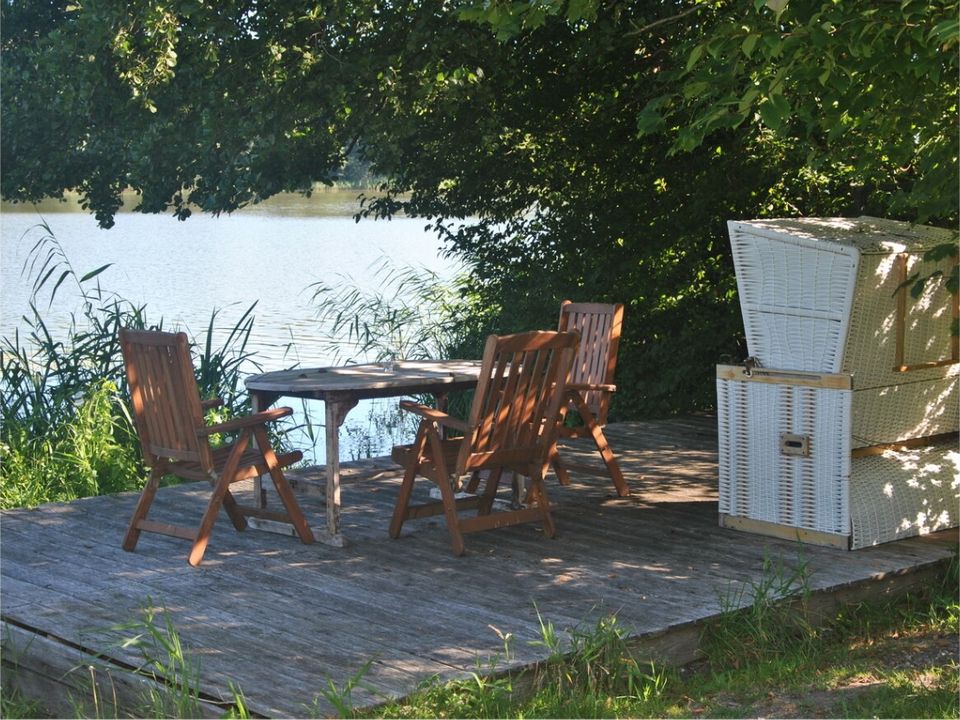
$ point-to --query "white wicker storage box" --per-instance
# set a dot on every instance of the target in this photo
(787, 467)
(821, 295)
(784, 453)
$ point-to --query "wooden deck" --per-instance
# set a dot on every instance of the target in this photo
(280, 619)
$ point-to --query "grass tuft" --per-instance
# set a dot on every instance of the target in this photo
(765, 616)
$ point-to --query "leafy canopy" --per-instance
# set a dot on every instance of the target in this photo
(598, 148)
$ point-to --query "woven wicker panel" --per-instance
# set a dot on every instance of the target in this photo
(904, 493)
(795, 295)
(872, 336)
(792, 341)
(758, 481)
(909, 410)
(819, 294)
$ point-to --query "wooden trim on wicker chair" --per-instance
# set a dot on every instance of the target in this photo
(903, 444)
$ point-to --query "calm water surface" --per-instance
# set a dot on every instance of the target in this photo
(269, 253)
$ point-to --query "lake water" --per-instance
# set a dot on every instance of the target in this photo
(270, 253)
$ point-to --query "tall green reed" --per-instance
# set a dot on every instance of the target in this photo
(405, 313)
(66, 428)
(409, 313)
(763, 617)
(171, 671)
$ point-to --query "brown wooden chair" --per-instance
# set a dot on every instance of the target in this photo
(169, 418)
(517, 409)
(591, 383)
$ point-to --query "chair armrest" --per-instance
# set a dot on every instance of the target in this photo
(433, 414)
(585, 387)
(211, 403)
(246, 421)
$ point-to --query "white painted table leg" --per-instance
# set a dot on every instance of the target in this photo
(336, 412)
(333, 473)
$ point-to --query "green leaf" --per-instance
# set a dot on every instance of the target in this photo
(581, 10)
(782, 107)
(747, 100)
(94, 273)
(768, 115)
(946, 33)
(917, 289)
(63, 276)
(695, 89)
(778, 6)
(749, 43)
(695, 55)
(941, 252)
(650, 119)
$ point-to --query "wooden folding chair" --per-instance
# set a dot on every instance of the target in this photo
(169, 418)
(517, 409)
(591, 383)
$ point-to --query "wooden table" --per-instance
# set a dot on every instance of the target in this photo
(341, 388)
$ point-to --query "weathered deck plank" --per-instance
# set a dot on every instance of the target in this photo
(279, 618)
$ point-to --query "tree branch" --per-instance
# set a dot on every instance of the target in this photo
(662, 21)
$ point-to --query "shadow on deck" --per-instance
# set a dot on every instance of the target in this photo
(279, 619)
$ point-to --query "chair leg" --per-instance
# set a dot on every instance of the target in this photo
(143, 507)
(221, 488)
(538, 491)
(474, 482)
(600, 440)
(299, 522)
(406, 487)
(563, 475)
(452, 518)
(403, 500)
(490, 491)
(234, 512)
(613, 467)
(208, 521)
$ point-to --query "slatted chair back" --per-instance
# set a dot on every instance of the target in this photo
(518, 405)
(599, 326)
(518, 408)
(164, 395)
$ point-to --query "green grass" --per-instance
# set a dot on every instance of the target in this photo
(764, 661)
(14, 705)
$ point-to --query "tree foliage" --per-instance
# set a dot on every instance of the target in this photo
(189, 103)
(869, 88)
(597, 145)
(597, 148)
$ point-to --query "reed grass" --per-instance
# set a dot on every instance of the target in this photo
(411, 313)
(66, 427)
